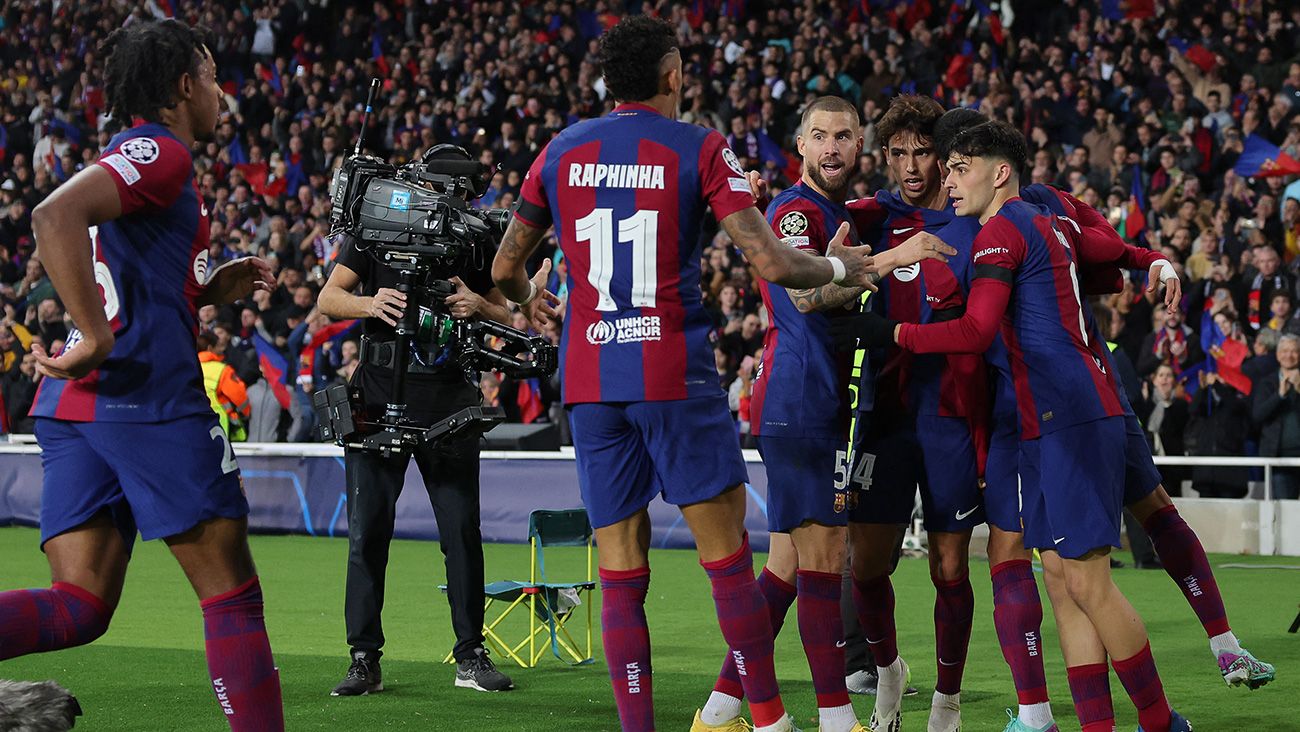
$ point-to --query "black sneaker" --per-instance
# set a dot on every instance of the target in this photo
(364, 676)
(480, 674)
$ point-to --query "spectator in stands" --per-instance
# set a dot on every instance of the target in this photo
(1220, 425)
(1164, 412)
(1276, 414)
(226, 391)
(1172, 344)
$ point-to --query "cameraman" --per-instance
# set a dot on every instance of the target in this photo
(450, 470)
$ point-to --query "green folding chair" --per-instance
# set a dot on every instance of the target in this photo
(550, 604)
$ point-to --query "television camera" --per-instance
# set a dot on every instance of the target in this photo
(416, 220)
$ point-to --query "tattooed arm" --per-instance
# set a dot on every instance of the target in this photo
(782, 264)
(826, 297)
(517, 245)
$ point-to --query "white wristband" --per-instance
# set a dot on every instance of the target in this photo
(1166, 270)
(837, 267)
(532, 293)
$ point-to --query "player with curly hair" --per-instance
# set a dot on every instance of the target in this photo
(125, 243)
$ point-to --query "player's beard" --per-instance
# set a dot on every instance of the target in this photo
(835, 189)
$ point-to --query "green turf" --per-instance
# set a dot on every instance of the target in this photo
(148, 672)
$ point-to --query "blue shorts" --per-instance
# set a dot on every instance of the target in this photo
(950, 493)
(1072, 484)
(805, 481)
(1002, 483)
(887, 468)
(163, 478)
(630, 452)
(1141, 477)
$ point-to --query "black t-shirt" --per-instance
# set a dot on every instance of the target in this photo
(429, 396)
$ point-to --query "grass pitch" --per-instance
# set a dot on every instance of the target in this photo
(148, 672)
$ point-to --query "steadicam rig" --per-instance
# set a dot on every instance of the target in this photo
(416, 219)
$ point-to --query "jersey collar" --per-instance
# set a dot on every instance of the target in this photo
(626, 107)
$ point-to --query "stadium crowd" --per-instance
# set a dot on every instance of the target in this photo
(1180, 123)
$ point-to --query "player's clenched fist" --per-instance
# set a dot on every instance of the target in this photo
(858, 264)
(387, 304)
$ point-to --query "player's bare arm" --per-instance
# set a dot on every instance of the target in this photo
(236, 280)
(919, 246)
(337, 300)
(779, 263)
(826, 297)
(511, 277)
(62, 227)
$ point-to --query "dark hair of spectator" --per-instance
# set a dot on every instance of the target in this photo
(952, 122)
(143, 63)
(204, 342)
(832, 104)
(630, 56)
(995, 139)
(909, 113)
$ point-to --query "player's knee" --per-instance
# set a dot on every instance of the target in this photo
(947, 568)
(1085, 589)
(84, 617)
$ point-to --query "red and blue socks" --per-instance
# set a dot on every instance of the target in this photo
(954, 610)
(1018, 619)
(743, 617)
(243, 673)
(779, 596)
(1184, 558)
(63, 616)
(822, 631)
(627, 645)
(875, 600)
(1090, 687)
(1142, 682)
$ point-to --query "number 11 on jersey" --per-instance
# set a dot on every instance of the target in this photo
(641, 229)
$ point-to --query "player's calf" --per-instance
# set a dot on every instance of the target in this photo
(63, 616)
(244, 677)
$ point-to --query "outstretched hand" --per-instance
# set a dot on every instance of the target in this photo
(78, 358)
(859, 267)
(236, 280)
(541, 310)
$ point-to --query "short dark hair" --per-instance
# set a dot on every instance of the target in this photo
(995, 139)
(630, 53)
(143, 62)
(829, 104)
(909, 113)
(952, 122)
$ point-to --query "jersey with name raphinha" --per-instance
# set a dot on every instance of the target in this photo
(151, 264)
(800, 388)
(627, 194)
(1062, 374)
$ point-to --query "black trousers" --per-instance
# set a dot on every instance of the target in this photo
(451, 477)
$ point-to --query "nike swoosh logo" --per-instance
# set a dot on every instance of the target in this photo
(873, 642)
(963, 514)
(904, 230)
(1058, 541)
(203, 210)
(945, 663)
(840, 644)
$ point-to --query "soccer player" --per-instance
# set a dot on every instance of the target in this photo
(1071, 416)
(800, 417)
(919, 424)
(128, 378)
(626, 194)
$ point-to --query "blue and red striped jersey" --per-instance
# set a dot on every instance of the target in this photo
(151, 264)
(627, 194)
(801, 386)
(948, 385)
(1061, 369)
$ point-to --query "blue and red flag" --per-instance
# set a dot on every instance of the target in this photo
(1262, 159)
(529, 400)
(4, 141)
(275, 368)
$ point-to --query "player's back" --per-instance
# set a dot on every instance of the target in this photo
(626, 194)
(1060, 378)
(150, 264)
(799, 389)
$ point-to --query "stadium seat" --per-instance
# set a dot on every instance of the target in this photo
(550, 604)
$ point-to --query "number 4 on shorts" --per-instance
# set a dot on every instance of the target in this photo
(866, 464)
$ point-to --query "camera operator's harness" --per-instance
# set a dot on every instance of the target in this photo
(415, 220)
